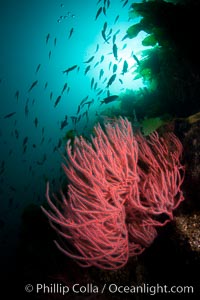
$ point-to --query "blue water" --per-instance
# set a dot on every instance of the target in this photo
(24, 28)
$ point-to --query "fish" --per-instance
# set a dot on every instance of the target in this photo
(79, 108)
(64, 123)
(101, 74)
(33, 85)
(125, 3)
(92, 82)
(125, 67)
(89, 60)
(105, 26)
(36, 122)
(49, 54)
(102, 59)
(116, 19)
(97, 48)
(124, 46)
(87, 69)
(17, 95)
(70, 69)
(114, 68)
(111, 80)
(45, 86)
(55, 42)
(104, 36)
(64, 88)
(47, 37)
(109, 99)
(98, 13)
(109, 33)
(25, 141)
(104, 11)
(101, 91)
(120, 81)
(71, 32)
(136, 59)
(83, 100)
(51, 95)
(125, 37)
(97, 63)
(37, 69)
(9, 115)
(115, 51)
(57, 100)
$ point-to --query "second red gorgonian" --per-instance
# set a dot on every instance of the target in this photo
(122, 187)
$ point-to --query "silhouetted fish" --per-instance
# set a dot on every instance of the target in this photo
(70, 69)
(37, 69)
(89, 60)
(64, 88)
(87, 69)
(9, 115)
(70, 33)
(116, 19)
(33, 85)
(57, 101)
(111, 80)
(36, 122)
(47, 37)
(45, 86)
(125, 67)
(125, 3)
(115, 51)
(98, 13)
(109, 99)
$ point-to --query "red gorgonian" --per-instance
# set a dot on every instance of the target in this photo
(122, 187)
